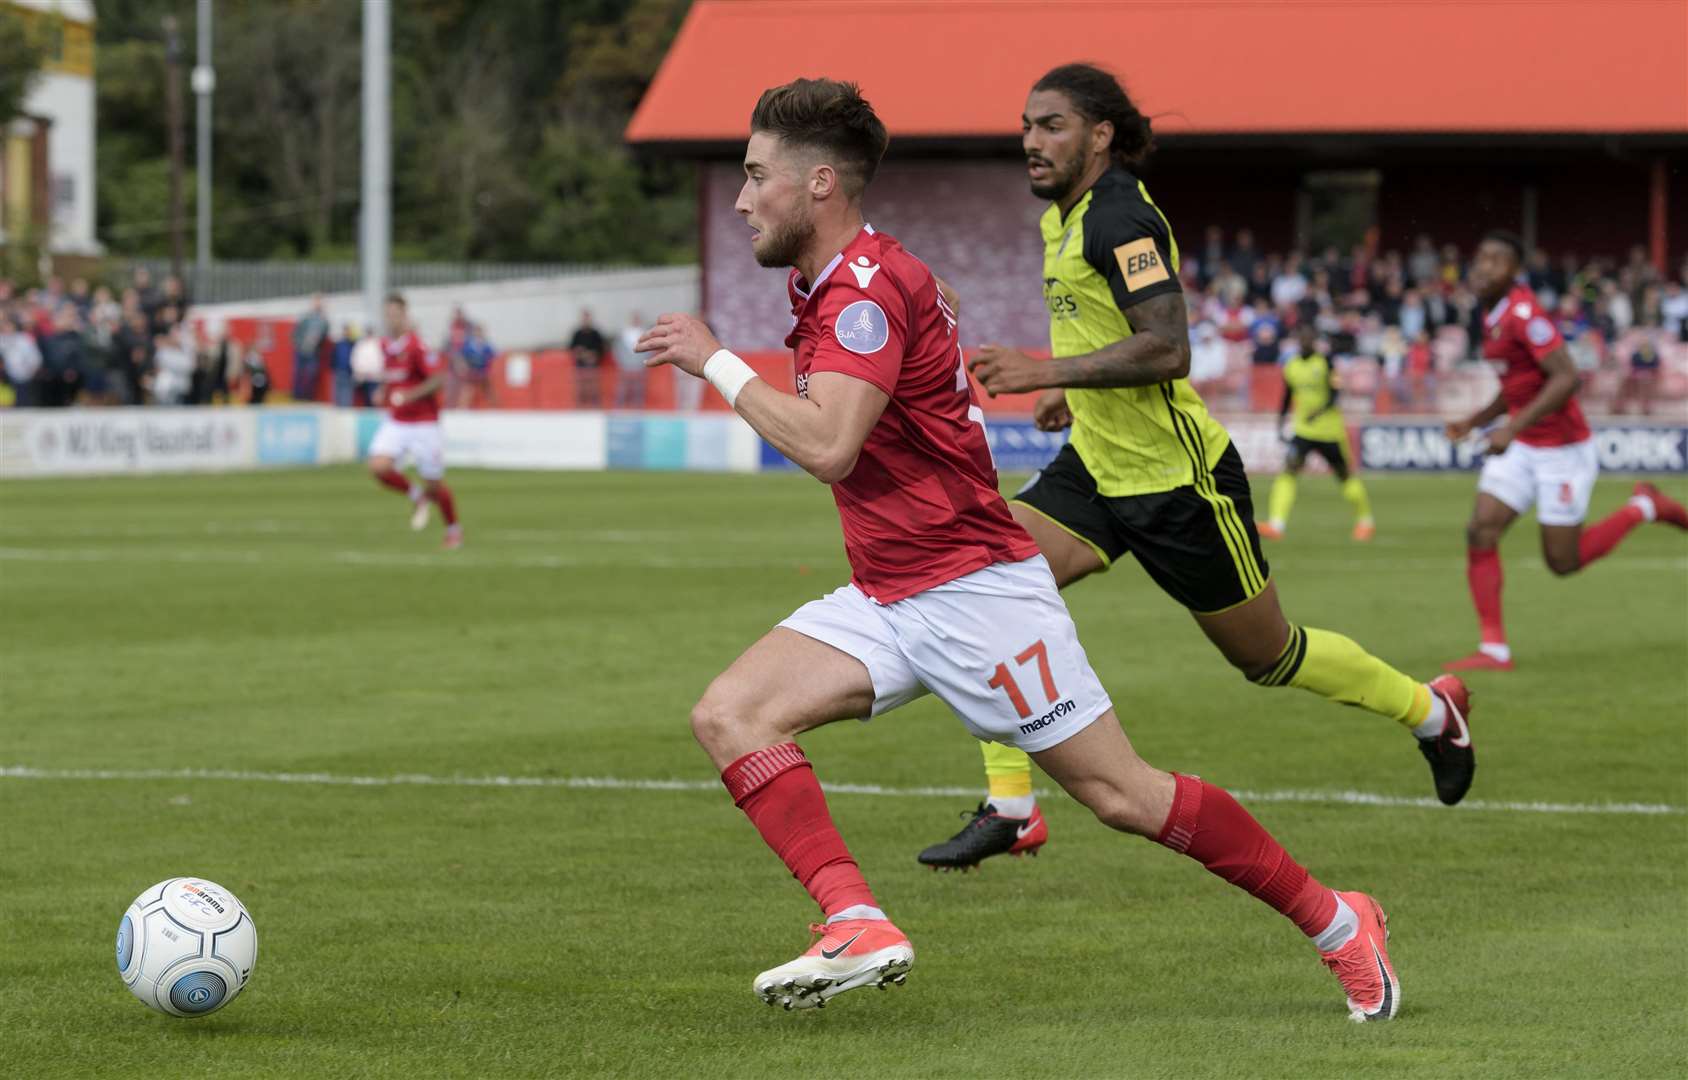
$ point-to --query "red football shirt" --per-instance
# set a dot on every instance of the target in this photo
(409, 362)
(921, 506)
(1517, 334)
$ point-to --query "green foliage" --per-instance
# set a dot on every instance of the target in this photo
(22, 53)
(593, 208)
(507, 122)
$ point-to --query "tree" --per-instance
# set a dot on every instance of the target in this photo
(289, 93)
(611, 63)
(506, 124)
(22, 54)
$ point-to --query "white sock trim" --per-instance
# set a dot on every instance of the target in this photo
(1436, 721)
(1013, 806)
(856, 911)
(1648, 510)
(1500, 650)
(1343, 926)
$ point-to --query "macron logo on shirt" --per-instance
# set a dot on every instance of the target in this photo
(863, 271)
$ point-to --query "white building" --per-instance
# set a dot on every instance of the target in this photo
(47, 178)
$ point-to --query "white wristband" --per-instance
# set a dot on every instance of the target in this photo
(727, 373)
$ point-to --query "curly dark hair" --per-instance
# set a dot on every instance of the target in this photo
(1510, 239)
(1098, 96)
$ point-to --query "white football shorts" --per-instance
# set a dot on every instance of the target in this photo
(423, 444)
(1557, 480)
(997, 646)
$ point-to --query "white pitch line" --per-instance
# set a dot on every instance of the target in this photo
(617, 783)
(589, 557)
(593, 559)
(598, 557)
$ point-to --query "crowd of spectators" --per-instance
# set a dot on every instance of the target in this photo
(1409, 313)
(75, 344)
(355, 362)
(1394, 307)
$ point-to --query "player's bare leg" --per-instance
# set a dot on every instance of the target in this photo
(437, 493)
(1565, 549)
(1568, 549)
(1561, 549)
(1009, 822)
(747, 721)
(1099, 768)
(386, 473)
(1490, 518)
(1261, 643)
(1070, 559)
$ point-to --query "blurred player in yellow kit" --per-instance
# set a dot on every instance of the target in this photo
(1310, 388)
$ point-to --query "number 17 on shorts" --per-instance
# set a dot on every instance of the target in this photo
(1000, 649)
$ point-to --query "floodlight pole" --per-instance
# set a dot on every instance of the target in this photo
(204, 85)
(173, 113)
(375, 241)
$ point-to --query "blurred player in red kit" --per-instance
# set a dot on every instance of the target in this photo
(413, 383)
(1543, 455)
(948, 594)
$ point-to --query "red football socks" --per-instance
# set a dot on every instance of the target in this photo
(1601, 537)
(1483, 574)
(394, 479)
(1210, 827)
(776, 788)
(448, 506)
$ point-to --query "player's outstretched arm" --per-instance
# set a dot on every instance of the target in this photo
(1562, 382)
(1157, 351)
(1459, 429)
(823, 433)
(431, 385)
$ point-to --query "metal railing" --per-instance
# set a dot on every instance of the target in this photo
(266, 280)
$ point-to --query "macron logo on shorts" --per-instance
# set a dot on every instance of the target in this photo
(1049, 717)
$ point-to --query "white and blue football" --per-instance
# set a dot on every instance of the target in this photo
(186, 946)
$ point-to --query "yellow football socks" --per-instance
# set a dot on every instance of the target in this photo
(1355, 493)
(1335, 667)
(1282, 499)
(1008, 771)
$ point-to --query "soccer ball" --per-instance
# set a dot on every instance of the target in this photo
(186, 947)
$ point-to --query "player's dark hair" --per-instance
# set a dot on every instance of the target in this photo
(826, 115)
(1098, 96)
(397, 298)
(1510, 239)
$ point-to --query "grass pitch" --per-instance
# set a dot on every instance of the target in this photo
(287, 625)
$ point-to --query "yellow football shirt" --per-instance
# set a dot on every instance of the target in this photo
(1112, 251)
(1312, 391)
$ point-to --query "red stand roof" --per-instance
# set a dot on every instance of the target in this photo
(961, 68)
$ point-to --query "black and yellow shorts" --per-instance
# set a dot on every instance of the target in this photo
(1197, 541)
(1334, 453)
